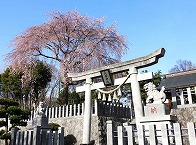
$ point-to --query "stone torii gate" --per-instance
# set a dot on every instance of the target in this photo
(132, 66)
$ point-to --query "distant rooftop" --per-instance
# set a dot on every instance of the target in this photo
(179, 80)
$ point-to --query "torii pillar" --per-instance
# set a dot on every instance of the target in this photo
(132, 66)
(136, 95)
(87, 112)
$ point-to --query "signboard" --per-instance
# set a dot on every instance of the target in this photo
(107, 77)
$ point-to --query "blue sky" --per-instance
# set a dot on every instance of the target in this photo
(147, 24)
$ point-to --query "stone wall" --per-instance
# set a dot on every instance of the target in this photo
(185, 115)
(73, 129)
(74, 125)
(2, 142)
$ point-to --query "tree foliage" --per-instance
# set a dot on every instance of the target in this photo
(10, 109)
(66, 97)
(41, 76)
(157, 77)
(76, 42)
(62, 98)
(11, 84)
(182, 65)
(54, 126)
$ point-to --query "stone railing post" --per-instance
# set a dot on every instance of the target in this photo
(82, 109)
(130, 134)
(49, 112)
(96, 107)
(56, 112)
(120, 135)
(140, 132)
(110, 132)
(61, 136)
(70, 110)
(191, 133)
(74, 108)
(178, 133)
(189, 95)
(79, 110)
(63, 114)
(165, 134)
(67, 111)
(181, 96)
(53, 113)
(36, 135)
(60, 111)
(13, 136)
(174, 100)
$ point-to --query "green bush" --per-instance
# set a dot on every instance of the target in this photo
(5, 136)
(54, 126)
(14, 110)
(22, 123)
(2, 123)
(3, 112)
(14, 119)
(8, 102)
(25, 113)
(2, 132)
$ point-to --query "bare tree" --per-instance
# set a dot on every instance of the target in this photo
(182, 65)
(76, 42)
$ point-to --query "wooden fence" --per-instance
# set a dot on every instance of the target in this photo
(37, 136)
(99, 108)
(130, 135)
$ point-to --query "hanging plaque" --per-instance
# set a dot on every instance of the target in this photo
(107, 77)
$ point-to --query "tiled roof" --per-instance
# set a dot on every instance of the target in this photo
(179, 80)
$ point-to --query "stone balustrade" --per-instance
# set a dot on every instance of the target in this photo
(99, 108)
(37, 136)
(131, 135)
(186, 97)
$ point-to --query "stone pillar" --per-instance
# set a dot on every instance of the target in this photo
(14, 131)
(181, 97)
(136, 95)
(87, 112)
(36, 135)
(174, 100)
(110, 132)
(190, 100)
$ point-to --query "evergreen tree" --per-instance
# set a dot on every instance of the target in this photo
(66, 97)
(41, 76)
(157, 77)
(10, 110)
(11, 84)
